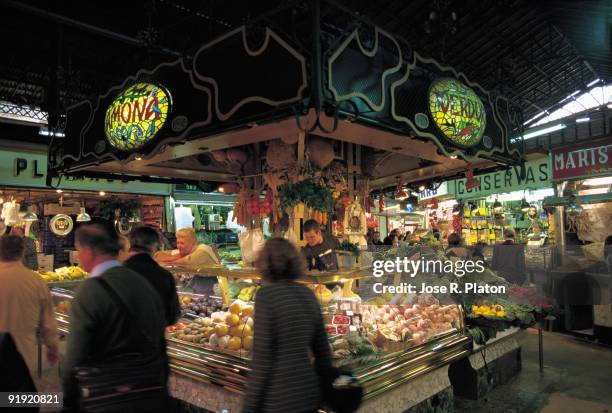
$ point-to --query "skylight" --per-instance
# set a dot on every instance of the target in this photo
(575, 103)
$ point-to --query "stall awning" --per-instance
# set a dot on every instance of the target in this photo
(581, 199)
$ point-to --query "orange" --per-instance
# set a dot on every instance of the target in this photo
(235, 308)
(232, 319)
(247, 342)
(234, 343)
(221, 330)
(247, 311)
(241, 330)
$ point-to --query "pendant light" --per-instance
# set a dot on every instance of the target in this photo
(30, 216)
(83, 215)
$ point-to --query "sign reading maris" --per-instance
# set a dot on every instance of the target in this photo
(581, 161)
(136, 115)
(457, 112)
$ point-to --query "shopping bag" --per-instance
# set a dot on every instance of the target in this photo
(251, 242)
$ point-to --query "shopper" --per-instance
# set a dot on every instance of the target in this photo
(30, 257)
(189, 251)
(14, 374)
(455, 247)
(318, 252)
(25, 306)
(509, 259)
(288, 330)
(391, 238)
(144, 243)
(100, 331)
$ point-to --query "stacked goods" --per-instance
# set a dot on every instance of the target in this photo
(339, 325)
(225, 330)
(324, 294)
(202, 306)
(414, 323)
(63, 274)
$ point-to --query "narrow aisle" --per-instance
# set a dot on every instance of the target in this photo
(577, 377)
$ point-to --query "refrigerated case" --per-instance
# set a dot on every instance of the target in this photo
(384, 345)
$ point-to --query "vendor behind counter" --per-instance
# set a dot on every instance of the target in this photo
(319, 250)
(189, 251)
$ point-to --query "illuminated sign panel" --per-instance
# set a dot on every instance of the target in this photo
(136, 115)
(457, 112)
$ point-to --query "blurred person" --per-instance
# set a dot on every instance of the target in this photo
(390, 239)
(30, 256)
(318, 252)
(509, 259)
(99, 329)
(188, 251)
(455, 247)
(289, 332)
(14, 374)
(376, 238)
(478, 251)
(144, 243)
(25, 307)
(124, 252)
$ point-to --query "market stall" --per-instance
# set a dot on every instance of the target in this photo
(308, 141)
(580, 280)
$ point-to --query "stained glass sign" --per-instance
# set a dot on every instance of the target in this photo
(136, 115)
(457, 112)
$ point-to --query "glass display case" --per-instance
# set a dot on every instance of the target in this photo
(384, 344)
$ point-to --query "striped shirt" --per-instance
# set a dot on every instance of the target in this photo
(288, 332)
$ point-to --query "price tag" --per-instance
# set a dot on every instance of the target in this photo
(349, 313)
(352, 328)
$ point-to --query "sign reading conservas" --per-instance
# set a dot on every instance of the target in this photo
(581, 161)
(136, 115)
(536, 176)
(457, 112)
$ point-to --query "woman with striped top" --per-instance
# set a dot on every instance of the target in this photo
(289, 331)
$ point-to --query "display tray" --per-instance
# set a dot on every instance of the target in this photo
(250, 273)
(376, 376)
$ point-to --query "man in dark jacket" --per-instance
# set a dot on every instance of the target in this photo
(98, 326)
(509, 259)
(144, 242)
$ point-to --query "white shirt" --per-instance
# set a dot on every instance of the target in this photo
(103, 267)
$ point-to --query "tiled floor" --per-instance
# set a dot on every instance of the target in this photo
(577, 378)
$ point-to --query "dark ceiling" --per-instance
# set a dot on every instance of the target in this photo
(535, 52)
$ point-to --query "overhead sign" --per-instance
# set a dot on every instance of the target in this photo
(536, 176)
(136, 115)
(581, 161)
(433, 193)
(28, 170)
(457, 112)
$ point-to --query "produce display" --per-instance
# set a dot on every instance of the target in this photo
(230, 255)
(199, 305)
(230, 330)
(63, 274)
(409, 324)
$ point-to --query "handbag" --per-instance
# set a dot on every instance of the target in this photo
(125, 382)
(341, 392)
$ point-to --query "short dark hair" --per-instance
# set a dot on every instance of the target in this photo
(99, 237)
(279, 260)
(144, 239)
(11, 248)
(454, 239)
(311, 225)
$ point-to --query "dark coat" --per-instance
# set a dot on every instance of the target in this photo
(14, 374)
(288, 329)
(162, 280)
(509, 262)
(99, 329)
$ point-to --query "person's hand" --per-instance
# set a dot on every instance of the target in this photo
(52, 355)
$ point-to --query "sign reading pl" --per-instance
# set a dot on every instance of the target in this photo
(581, 161)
